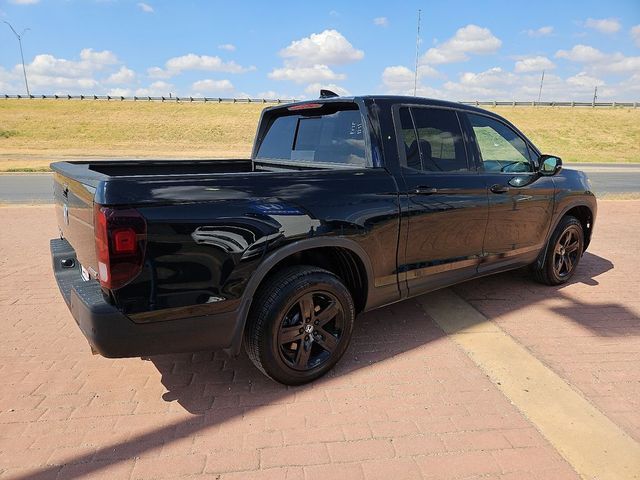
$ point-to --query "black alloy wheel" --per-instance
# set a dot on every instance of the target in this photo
(567, 251)
(299, 325)
(560, 258)
(311, 330)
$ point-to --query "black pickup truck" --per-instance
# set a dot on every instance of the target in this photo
(346, 205)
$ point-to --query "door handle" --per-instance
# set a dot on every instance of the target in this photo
(497, 188)
(425, 190)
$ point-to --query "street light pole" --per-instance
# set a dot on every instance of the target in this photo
(19, 37)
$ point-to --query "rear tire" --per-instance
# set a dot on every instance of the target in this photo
(563, 253)
(300, 324)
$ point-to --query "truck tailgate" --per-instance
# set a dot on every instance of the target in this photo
(74, 212)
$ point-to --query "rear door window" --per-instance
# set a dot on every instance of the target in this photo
(432, 140)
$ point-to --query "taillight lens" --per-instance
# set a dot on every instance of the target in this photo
(121, 237)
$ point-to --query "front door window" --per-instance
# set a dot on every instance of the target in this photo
(501, 148)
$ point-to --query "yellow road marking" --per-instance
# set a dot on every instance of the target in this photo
(595, 446)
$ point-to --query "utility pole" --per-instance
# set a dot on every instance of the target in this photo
(19, 37)
(541, 82)
(415, 78)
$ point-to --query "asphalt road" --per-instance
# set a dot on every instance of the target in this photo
(606, 179)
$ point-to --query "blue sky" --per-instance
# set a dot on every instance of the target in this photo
(469, 50)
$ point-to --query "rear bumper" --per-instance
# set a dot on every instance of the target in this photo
(114, 335)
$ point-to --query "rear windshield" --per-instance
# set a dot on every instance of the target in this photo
(331, 135)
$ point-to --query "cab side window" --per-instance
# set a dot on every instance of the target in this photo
(432, 140)
(501, 149)
(409, 140)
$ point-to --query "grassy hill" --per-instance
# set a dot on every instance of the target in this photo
(35, 132)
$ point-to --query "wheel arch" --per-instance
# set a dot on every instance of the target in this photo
(343, 257)
(583, 212)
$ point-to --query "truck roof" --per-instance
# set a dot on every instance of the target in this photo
(407, 99)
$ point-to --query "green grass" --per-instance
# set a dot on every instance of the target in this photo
(35, 132)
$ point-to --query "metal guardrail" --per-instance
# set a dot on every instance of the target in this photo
(552, 104)
(280, 100)
(147, 98)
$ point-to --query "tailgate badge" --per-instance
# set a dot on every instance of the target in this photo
(65, 213)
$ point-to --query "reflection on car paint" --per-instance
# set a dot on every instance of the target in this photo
(250, 242)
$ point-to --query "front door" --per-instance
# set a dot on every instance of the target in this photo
(444, 206)
(520, 200)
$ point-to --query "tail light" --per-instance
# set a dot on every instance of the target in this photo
(121, 237)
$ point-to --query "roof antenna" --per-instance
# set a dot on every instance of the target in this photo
(415, 78)
(328, 94)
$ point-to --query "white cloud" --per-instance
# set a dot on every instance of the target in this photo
(7, 81)
(598, 61)
(124, 75)
(583, 80)
(582, 53)
(105, 57)
(157, 72)
(399, 80)
(314, 89)
(156, 89)
(90, 62)
(273, 95)
(498, 84)
(193, 62)
(635, 34)
(62, 84)
(212, 86)
(603, 25)
(145, 7)
(533, 64)
(307, 60)
(428, 71)
(329, 47)
(486, 84)
(619, 64)
(120, 92)
(229, 47)
(305, 74)
(381, 21)
(471, 39)
(24, 2)
(540, 32)
(86, 75)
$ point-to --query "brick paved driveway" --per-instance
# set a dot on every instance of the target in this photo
(405, 402)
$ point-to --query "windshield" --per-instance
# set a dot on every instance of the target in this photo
(329, 135)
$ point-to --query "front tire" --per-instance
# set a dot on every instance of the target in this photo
(300, 324)
(563, 253)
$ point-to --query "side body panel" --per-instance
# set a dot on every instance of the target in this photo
(444, 230)
(518, 219)
(202, 254)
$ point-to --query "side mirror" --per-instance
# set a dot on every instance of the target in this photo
(549, 165)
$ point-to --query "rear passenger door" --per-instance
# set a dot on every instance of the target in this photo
(444, 206)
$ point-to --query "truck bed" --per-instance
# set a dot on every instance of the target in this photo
(92, 172)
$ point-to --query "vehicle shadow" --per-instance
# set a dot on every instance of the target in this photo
(514, 290)
(206, 381)
(214, 389)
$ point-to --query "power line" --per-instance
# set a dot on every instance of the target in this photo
(19, 37)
